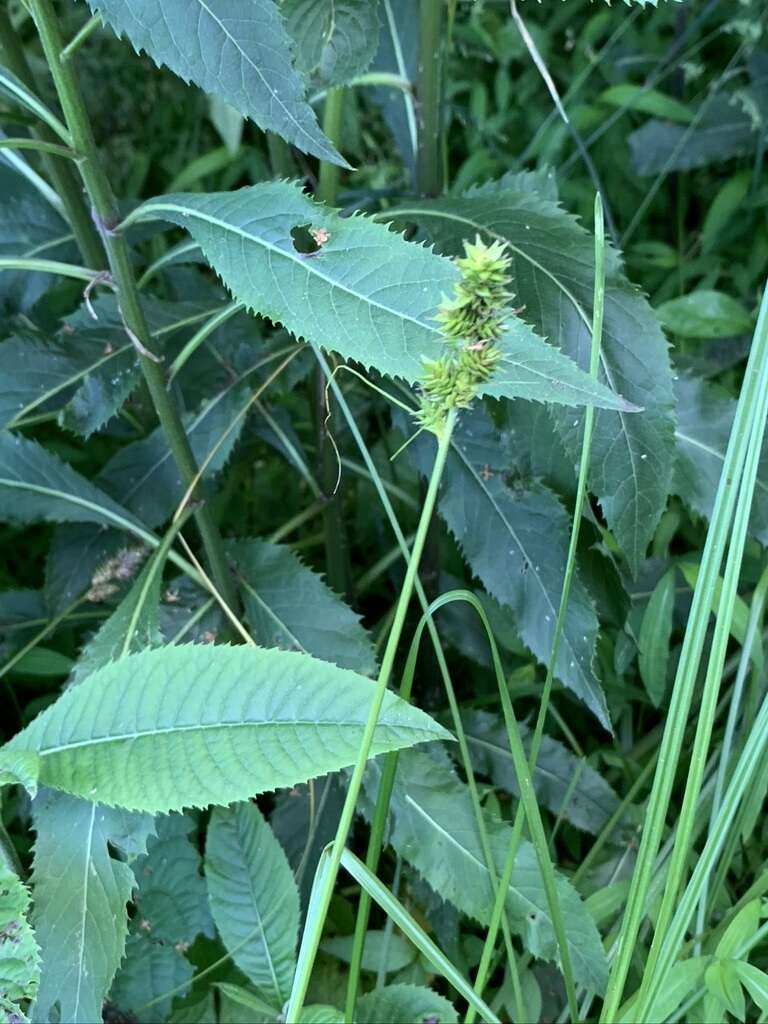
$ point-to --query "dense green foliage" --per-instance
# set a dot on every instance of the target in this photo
(383, 511)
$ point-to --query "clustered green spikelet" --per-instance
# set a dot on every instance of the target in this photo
(472, 323)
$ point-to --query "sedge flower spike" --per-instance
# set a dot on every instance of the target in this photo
(472, 322)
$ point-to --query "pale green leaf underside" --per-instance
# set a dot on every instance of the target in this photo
(80, 904)
(367, 293)
(19, 768)
(253, 897)
(192, 725)
(36, 486)
(236, 50)
(334, 41)
(19, 955)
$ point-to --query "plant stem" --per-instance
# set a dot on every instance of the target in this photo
(315, 922)
(106, 215)
(62, 175)
(581, 491)
(429, 98)
(338, 567)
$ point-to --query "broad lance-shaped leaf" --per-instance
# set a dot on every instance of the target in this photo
(171, 899)
(516, 543)
(19, 953)
(238, 51)
(403, 1004)
(433, 827)
(36, 486)
(553, 279)
(80, 894)
(366, 293)
(289, 606)
(705, 415)
(588, 803)
(254, 899)
(335, 41)
(216, 724)
(143, 476)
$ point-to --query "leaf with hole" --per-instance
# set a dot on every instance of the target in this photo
(365, 292)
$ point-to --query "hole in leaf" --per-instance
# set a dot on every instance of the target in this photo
(304, 241)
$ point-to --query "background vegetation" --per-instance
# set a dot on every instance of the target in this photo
(204, 445)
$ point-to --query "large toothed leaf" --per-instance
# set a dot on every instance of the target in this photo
(144, 477)
(335, 39)
(564, 784)
(254, 899)
(234, 49)
(705, 415)
(553, 278)
(214, 724)
(516, 543)
(366, 293)
(36, 486)
(289, 606)
(19, 953)
(433, 827)
(80, 894)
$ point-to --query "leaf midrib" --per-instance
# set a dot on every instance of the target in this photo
(211, 726)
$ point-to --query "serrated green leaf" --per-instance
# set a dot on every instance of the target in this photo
(383, 951)
(36, 486)
(515, 542)
(19, 953)
(144, 477)
(289, 606)
(404, 1004)
(149, 972)
(553, 275)
(366, 293)
(705, 413)
(591, 801)
(75, 553)
(195, 1009)
(80, 896)
(230, 711)
(240, 1006)
(171, 899)
(241, 53)
(705, 314)
(432, 826)
(19, 768)
(254, 899)
(336, 40)
(655, 633)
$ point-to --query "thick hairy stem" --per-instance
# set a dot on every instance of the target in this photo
(105, 215)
